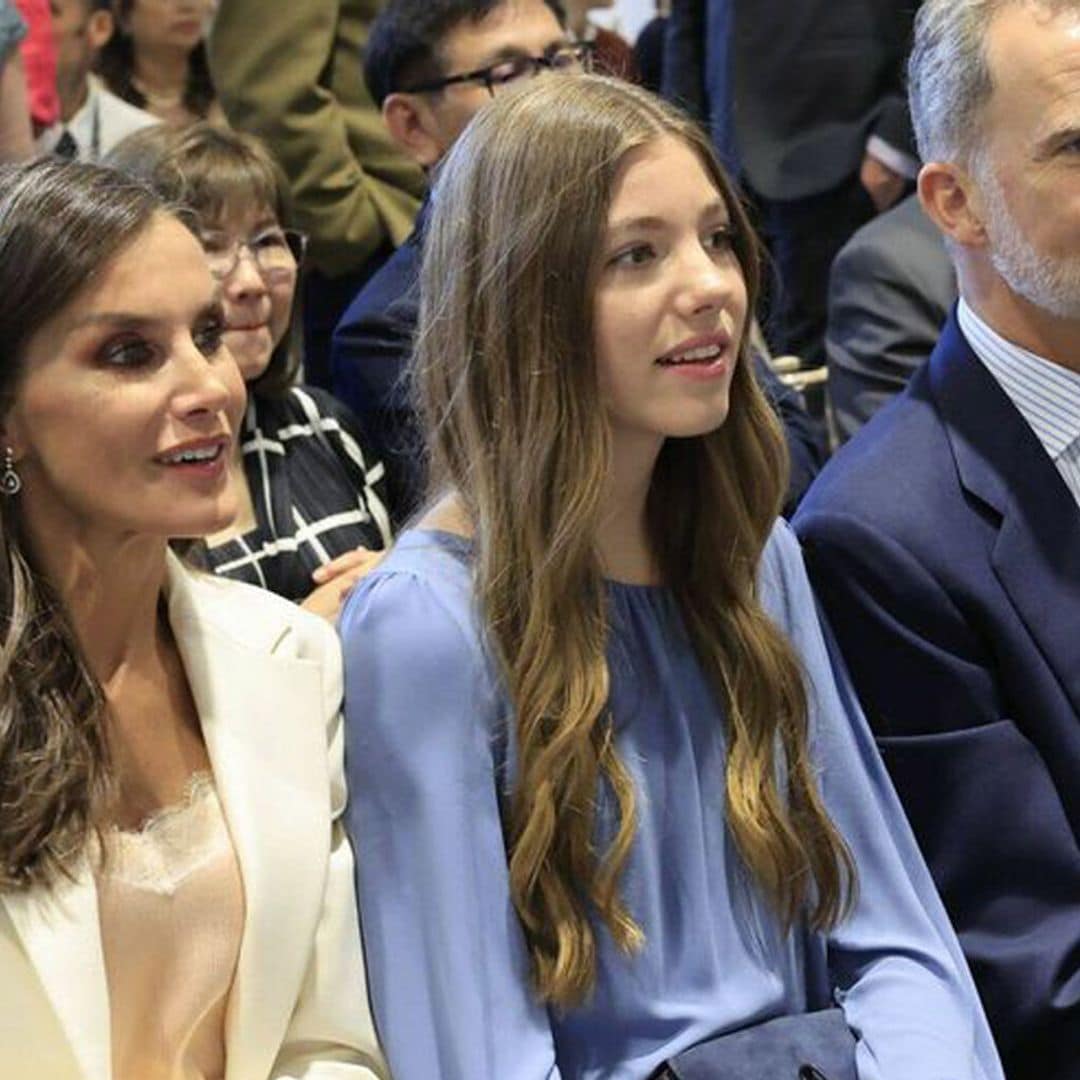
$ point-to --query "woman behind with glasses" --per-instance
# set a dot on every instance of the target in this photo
(312, 508)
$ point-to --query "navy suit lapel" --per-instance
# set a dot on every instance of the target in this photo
(1001, 462)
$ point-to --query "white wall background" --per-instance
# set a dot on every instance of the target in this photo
(627, 16)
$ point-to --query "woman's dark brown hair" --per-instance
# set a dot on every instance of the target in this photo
(60, 224)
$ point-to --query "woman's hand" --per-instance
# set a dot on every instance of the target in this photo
(336, 578)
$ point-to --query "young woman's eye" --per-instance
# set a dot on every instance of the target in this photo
(638, 255)
(127, 353)
(208, 337)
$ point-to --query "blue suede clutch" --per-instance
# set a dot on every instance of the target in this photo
(806, 1046)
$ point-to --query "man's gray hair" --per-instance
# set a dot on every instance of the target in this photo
(949, 78)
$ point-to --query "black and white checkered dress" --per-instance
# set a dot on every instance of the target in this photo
(315, 493)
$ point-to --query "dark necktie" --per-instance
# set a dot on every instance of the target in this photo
(66, 147)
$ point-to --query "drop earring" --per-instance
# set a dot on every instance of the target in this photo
(10, 484)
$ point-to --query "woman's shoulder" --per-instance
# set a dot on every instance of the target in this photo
(788, 598)
(424, 561)
(781, 559)
(295, 404)
(422, 591)
(783, 586)
(302, 400)
(308, 416)
(251, 616)
(414, 648)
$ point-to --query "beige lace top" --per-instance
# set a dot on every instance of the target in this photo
(171, 906)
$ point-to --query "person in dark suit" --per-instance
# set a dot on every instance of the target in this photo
(415, 46)
(890, 290)
(805, 102)
(649, 48)
(944, 539)
(370, 363)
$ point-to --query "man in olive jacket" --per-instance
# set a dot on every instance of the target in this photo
(290, 72)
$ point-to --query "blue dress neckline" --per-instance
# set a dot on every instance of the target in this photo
(463, 548)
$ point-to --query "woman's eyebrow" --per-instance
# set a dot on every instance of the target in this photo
(654, 223)
(646, 223)
(132, 319)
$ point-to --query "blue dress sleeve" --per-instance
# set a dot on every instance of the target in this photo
(902, 980)
(447, 962)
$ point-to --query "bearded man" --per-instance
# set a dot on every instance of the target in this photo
(944, 539)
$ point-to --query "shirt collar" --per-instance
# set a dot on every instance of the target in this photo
(1046, 394)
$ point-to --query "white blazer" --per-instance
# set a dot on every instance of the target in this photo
(266, 678)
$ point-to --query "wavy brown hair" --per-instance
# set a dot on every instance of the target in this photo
(60, 224)
(508, 383)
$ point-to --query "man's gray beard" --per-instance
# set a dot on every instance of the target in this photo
(1048, 283)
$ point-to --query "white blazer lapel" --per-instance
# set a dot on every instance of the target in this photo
(60, 932)
(261, 714)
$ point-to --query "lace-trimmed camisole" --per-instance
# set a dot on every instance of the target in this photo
(171, 906)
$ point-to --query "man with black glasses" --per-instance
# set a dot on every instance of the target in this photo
(430, 65)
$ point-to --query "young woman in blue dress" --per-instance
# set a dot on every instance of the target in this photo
(612, 794)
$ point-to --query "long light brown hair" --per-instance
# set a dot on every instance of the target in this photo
(508, 385)
(60, 224)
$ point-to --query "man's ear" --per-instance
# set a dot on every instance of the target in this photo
(952, 201)
(412, 126)
(99, 28)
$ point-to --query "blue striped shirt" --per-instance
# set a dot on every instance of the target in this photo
(1045, 394)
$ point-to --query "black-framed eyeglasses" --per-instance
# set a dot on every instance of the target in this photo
(277, 252)
(571, 58)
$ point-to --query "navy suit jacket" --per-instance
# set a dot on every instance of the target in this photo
(369, 359)
(945, 548)
(370, 364)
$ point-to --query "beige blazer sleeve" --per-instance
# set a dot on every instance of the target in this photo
(331, 1035)
(266, 679)
(290, 71)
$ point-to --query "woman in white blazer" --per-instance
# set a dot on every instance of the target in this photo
(175, 886)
